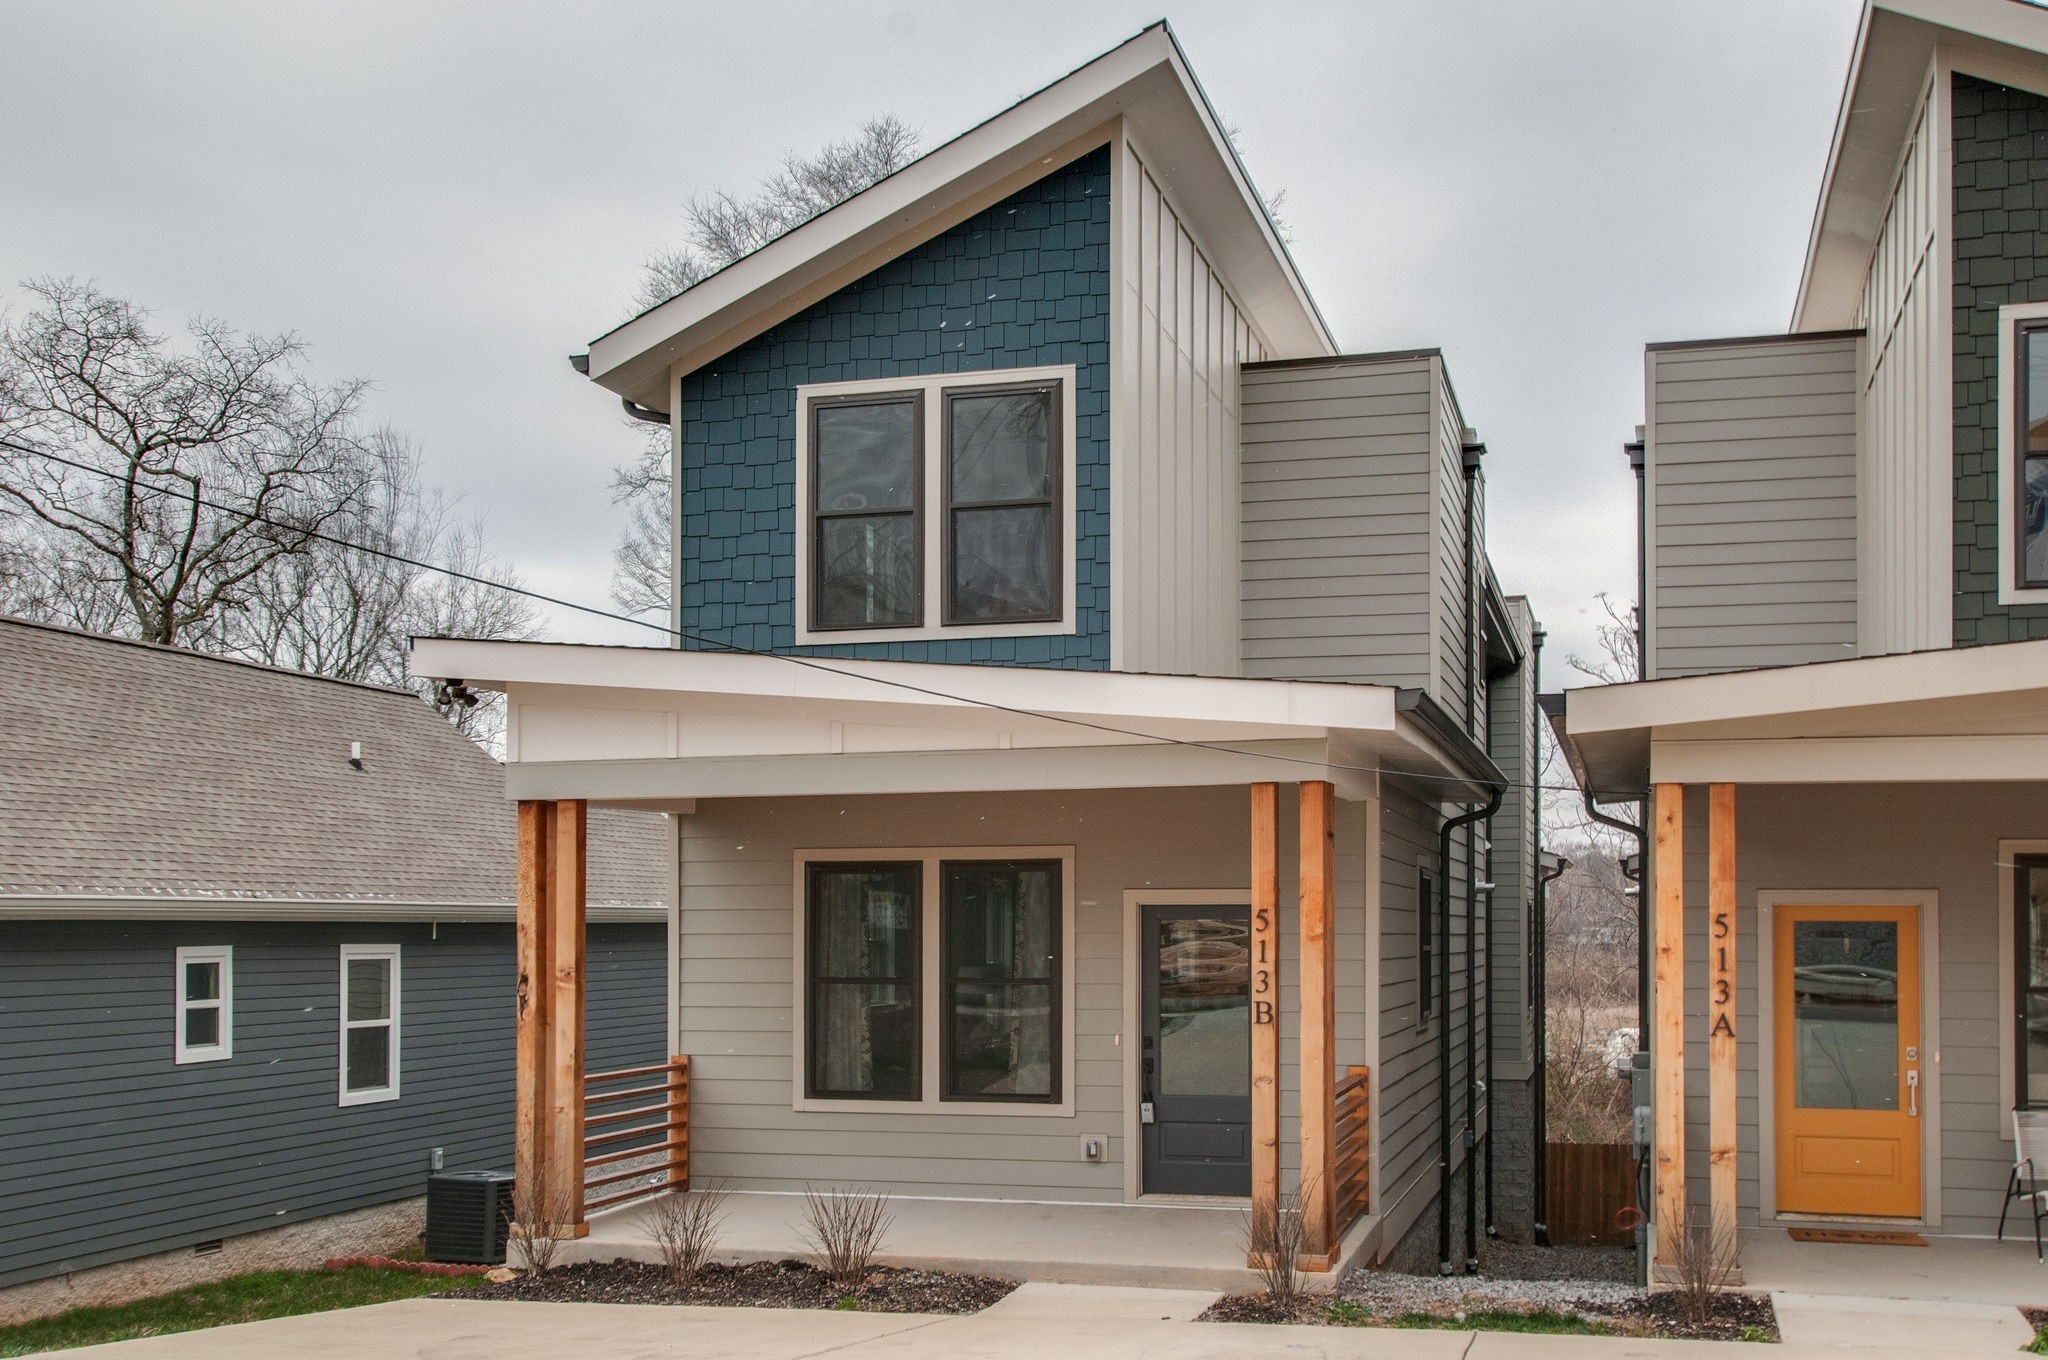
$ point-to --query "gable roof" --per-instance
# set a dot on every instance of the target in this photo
(1894, 42)
(161, 779)
(1145, 80)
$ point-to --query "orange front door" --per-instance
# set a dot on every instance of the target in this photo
(1846, 985)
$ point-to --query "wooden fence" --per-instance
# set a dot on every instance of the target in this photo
(649, 1139)
(1590, 1184)
(1354, 1145)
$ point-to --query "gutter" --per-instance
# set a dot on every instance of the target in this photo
(94, 907)
(581, 363)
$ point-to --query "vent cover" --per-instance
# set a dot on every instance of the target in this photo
(469, 1214)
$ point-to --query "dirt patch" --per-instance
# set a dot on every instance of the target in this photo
(756, 1284)
(1265, 1308)
(1736, 1317)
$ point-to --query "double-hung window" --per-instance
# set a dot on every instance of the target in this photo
(205, 1016)
(935, 978)
(2023, 455)
(936, 507)
(369, 1023)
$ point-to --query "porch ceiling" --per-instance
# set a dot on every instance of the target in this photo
(649, 727)
(1958, 715)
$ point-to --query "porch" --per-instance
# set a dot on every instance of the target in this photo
(1955, 1270)
(1188, 1245)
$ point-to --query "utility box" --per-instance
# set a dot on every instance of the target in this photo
(469, 1216)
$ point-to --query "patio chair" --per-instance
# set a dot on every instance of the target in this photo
(2029, 1151)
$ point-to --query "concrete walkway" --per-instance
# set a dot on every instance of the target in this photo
(1073, 1322)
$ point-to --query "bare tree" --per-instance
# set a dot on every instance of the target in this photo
(1620, 658)
(719, 228)
(148, 431)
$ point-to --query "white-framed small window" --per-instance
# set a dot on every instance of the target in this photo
(2022, 485)
(936, 507)
(369, 1023)
(205, 1016)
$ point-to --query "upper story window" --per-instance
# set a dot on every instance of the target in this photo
(936, 507)
(2023, 455)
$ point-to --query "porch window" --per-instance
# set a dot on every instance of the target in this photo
(205, 1004)
(1001, 942)
(862, 932)
(936, 507)
(2030, 955)
(369, 1023)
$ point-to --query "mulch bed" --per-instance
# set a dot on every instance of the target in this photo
(1660, 1315)
(756, 1284)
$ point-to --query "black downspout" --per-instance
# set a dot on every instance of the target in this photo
(1443, 1050)
(1636, 460)
(1539, 1170)
(1475, 715)
(1541, 1184)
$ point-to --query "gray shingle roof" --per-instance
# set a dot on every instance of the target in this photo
(134, 771)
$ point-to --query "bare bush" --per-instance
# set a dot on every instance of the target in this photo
(847, 1229)
(1702, 1256)
(685, 1228)
(1273, 1238)
(542, 1216)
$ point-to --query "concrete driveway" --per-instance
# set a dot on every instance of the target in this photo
(1071, 1322)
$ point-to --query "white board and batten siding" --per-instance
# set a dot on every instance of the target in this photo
(736, 980)
(1180, 338)
(1906, 406)
(1751, 481)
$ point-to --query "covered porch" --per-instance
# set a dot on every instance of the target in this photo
(1138, 792)
(1836, 904)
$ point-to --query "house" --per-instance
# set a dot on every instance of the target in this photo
(1842, 724)
(198, 858)
(1097, 740)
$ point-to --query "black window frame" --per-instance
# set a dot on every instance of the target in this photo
(2024, 332)
(1054, 983)
(914, 398)
(1425, 953)
(913, 982)
(1053, 501)
(2023, 988)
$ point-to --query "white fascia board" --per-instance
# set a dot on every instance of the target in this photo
(96, 907)
(1851, 760)
(1144, 80)
(1104, 696)
(1953, 673)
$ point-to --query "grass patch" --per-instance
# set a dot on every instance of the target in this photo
(2039, 1345)
(243, 1298)
(1542, 1322)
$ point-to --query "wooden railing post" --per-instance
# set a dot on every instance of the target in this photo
(1317, 996)
(1265, 986)
(1667, 1037)
(534, 1002)
(1721, 951)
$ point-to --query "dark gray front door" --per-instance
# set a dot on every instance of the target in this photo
(1196, 1060)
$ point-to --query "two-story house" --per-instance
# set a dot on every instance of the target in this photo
(1100, 743)
(1843, 719)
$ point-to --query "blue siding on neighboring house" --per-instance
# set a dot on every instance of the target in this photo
(110, 1150)
(2001, 256)
(1024, 283)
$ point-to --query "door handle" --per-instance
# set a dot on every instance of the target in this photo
(1912, 1093)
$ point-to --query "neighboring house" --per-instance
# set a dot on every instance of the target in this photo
(1844, 710)
(1031, 529)
(198, 859)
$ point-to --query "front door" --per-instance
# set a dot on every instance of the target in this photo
(1195, 1068)
(1847, 1029)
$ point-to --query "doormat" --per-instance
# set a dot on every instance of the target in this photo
(1859, 1237)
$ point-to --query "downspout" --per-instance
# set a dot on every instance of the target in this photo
(1443, 1050)
(1540, 1191)
(1539, 1097)
(1475, 714)
(1636, 460)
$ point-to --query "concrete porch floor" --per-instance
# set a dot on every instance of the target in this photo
(1161, 1245)
(1963, 1270)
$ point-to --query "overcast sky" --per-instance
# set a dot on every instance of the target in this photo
(451, 198)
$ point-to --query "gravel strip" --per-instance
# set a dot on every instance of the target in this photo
(1390, 1295)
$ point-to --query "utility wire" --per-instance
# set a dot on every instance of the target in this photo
(809, 663)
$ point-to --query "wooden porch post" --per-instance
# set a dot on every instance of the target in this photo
(565, 1046)
(1667, 1041)
(1265, 944)
(535, 995)
(1721, 941)
(1318, 1021)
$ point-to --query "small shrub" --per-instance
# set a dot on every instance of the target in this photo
(1273, 1236)
(847, 1230)
(1702, 1262)
(684, 1226)
(541, 1217)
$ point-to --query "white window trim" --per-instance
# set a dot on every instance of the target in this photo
(182, 1052)
(929, 984)
(2009, 590)
(349, 954)
(933, 470)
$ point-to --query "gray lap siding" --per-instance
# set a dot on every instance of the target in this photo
(110, 1150)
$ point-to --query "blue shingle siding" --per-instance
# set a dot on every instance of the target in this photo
(1024, 283)
(110, 1150)
(2001, 256)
